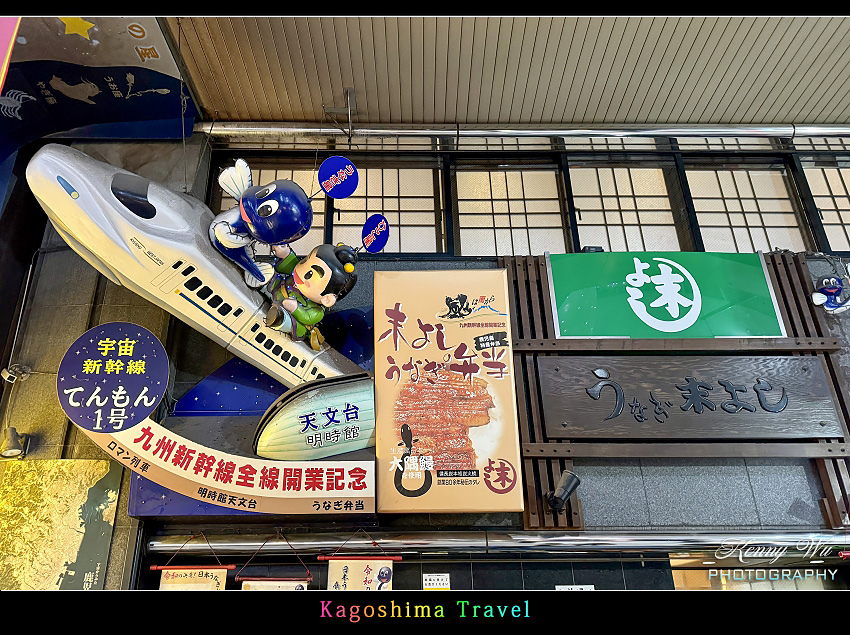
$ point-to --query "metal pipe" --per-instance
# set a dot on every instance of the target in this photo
(254, 130)
(489, 541)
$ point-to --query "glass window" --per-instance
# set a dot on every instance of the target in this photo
(724, 143)
(505, 143)
(608, 143)
(822, 143)
(409, 200)
(745, 210)
(623, 209)
(830, 188)
(509, 213)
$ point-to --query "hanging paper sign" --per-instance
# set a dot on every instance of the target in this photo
(275, 585)
(376, 233)
(212, 579)
(436, 582)
(112, 377)
(110, 381)
(363, 574)
(338, 177)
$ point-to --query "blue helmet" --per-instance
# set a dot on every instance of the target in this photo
(276, 213)
(831, 285)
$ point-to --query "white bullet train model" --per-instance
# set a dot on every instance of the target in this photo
(155, 242)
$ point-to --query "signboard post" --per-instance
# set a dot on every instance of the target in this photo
(444, 391)
(662, 295)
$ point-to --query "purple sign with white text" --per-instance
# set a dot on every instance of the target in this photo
(112, 377)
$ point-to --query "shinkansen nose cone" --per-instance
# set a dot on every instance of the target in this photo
(100, 209)
(86, 196)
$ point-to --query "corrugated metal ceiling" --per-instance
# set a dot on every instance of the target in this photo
(521, 70)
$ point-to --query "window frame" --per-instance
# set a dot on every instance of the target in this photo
(444, 157)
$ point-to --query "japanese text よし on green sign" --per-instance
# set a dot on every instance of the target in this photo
(662, 295)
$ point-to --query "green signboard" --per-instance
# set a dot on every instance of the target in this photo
(662, 295)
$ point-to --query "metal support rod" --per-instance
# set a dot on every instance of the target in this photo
(259, 129)
(489, 541)
(688, 201)
(572, 216)
(348, 105)
(810, 209)
(452, 231)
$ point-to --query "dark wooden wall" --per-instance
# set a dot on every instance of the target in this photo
(544, 459)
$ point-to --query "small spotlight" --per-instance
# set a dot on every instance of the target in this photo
(816, 561)
(16, 372)
(14, 444)
(709, 562)
(567, 484)
(591, 250)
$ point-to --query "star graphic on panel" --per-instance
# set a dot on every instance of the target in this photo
(77, 25)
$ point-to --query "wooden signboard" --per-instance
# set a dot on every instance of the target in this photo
(686, 397)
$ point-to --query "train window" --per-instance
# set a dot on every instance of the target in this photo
(268, 345)
(177, 264)
(260, 337)
(254, 328)
(315, 370)
(293, 362)
(320, 376)
(193, 283)
(204, 293)
(188, 270)
(303, 363)
(214, 301)
(286, 355)
(224, 309)
(132, 191)
(238, 312)
(277, 349)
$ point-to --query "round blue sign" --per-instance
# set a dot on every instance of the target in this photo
(112, 377)
(376, 233)
(338, 177)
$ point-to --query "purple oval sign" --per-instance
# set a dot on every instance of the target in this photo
(112, 377)
(376, 233)
(338, 177)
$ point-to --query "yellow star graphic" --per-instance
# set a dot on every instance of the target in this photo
(77, 25)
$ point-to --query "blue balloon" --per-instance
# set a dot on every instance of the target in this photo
(376, 233)
(338, 177)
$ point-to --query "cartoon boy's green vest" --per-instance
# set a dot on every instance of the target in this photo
(308, 313)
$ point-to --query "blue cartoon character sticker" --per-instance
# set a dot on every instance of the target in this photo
(384, 576)
(828, 294)
(275, 214)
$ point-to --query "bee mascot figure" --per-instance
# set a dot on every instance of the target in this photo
(275, 214)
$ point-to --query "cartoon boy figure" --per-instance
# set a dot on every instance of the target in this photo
(303, 289)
